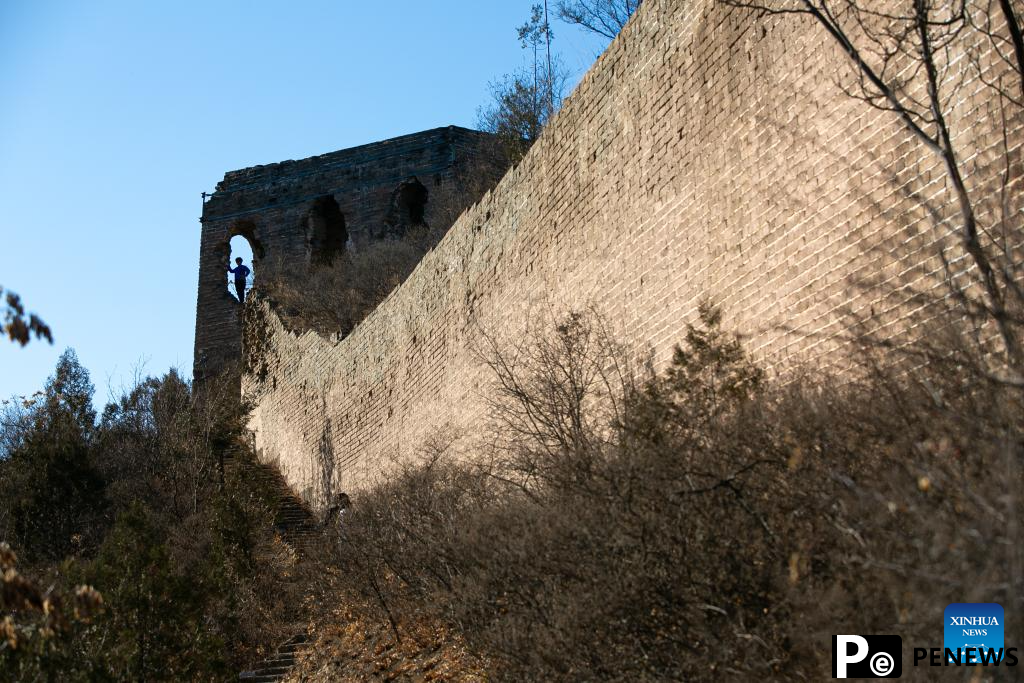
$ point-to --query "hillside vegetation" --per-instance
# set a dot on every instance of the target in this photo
(611, 523)
(704, 523)
(134, 549)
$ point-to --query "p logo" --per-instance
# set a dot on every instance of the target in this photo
(867, 656)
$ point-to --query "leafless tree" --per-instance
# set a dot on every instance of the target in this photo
(712, 525)
(906, 57)
(603, 17)
(558, 386)
(532, 35)
(523, 102)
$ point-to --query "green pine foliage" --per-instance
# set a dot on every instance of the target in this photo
(132, 554)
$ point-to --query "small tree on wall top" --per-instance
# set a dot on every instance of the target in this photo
(603, 17)
(524, 101)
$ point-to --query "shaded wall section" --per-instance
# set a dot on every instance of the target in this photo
(706, 154)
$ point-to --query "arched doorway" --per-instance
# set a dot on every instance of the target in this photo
(240, 247)
(408, 207)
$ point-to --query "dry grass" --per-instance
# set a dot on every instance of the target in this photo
(334, 298)
(350, 645)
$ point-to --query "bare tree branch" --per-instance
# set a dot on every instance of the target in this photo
(898, 55)
(603, 17)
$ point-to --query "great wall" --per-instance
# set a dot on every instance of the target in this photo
(705, 155)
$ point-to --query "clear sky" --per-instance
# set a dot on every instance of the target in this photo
(115, 115)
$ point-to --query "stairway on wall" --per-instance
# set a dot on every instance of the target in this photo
(278, 665)
(298, 527)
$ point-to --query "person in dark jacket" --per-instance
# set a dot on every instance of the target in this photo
(241, 273)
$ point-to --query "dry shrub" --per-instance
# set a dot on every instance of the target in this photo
(335, 298)
(709, 524)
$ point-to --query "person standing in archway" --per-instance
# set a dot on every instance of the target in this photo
(241, 273)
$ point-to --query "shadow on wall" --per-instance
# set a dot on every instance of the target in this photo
(325, 467)
(908, 266)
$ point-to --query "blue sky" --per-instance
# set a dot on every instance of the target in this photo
(114, 116)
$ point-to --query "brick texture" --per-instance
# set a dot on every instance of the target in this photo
(706, 154)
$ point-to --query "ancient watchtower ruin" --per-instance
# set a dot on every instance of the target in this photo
(300, 215)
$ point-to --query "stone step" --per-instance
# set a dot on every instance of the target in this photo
(276, 672)
(278, 665)
(300, 529)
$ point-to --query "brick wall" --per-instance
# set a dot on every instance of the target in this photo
(706, 154)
